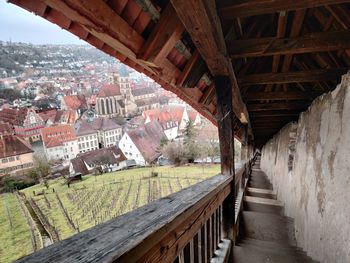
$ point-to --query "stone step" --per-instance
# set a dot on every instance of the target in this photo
(263, 205)
(268, 227)
(258, 183)
(263, 193)
(252, 254)
(270, 245)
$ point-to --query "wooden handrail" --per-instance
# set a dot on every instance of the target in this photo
(180, 227)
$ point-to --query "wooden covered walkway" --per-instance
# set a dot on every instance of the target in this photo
(248, 66)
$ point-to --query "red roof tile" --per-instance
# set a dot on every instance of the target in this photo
(75, 102)
(11, 145)
(109, 90)
(6, 129)
(112, 154)
(57, 135)
(147, 140)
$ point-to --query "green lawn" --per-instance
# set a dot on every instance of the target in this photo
(94, 200)
(15, 235)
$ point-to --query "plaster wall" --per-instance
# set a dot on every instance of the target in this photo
(315, 185)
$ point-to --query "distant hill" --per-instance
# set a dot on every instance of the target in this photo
(15, 56)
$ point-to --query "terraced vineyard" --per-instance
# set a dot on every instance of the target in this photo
(37, 216)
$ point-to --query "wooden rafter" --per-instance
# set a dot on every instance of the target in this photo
(296, 27)
(315, 42)
(286, 95)
(317, 75)
(277, 106)
(203, 24)
(229, 9)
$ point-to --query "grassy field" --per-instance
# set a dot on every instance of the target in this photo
(96, 199)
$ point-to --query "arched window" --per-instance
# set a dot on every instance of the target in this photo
(103, 107)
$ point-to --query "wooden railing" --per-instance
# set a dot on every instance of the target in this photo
(183, 227)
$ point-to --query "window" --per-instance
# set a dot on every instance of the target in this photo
(11, 159)
(4, 160)
(17, 158)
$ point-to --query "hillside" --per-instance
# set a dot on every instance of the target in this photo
(16, 57)
(63, 211)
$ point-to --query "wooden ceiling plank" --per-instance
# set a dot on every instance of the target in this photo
(317, 75)
(296, 105)
(203, 24)
(281, 31)
(296, 27)
(188, 67)
(229, 9)
(278, 95)
(314, 42)
(168, 29)
(99, 16)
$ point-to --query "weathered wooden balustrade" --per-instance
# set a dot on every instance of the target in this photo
(183, 227)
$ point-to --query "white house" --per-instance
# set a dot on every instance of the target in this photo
(179, 114)
(60, 142)
(98, 133)
(107, 159)
(142, 144)
(169, 125)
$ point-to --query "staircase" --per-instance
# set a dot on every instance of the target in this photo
(266, 235)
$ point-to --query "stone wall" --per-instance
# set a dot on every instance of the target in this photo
(309, 165)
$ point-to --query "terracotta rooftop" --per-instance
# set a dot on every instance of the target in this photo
(147, 139)
(104, 124)
(11, 145)
(142, 91)
(13, 116)
(111, 154)
(6, 129)
(75, 102)
(109, 90)
(57, 135)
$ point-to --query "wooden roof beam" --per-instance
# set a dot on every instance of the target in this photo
(203, 24)
(314, 42)
(276, 106)
(317, 75)
(168, 29)
(296, 27)
(286, 95)
(229, 9)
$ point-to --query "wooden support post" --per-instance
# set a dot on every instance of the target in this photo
(225, 115)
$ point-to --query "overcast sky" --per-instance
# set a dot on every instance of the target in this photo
(19, 25)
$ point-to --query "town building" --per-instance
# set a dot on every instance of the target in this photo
(97, 133)
(115, 98)
(118, 98)
(166, 121)
(106, 160)
(16, 154)
(25, 121)
(195, 117)
(179, 114)
(87, 136)
(60, 142)
(76, 103)
(6, 129)
(145, 98)
(143, 143)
